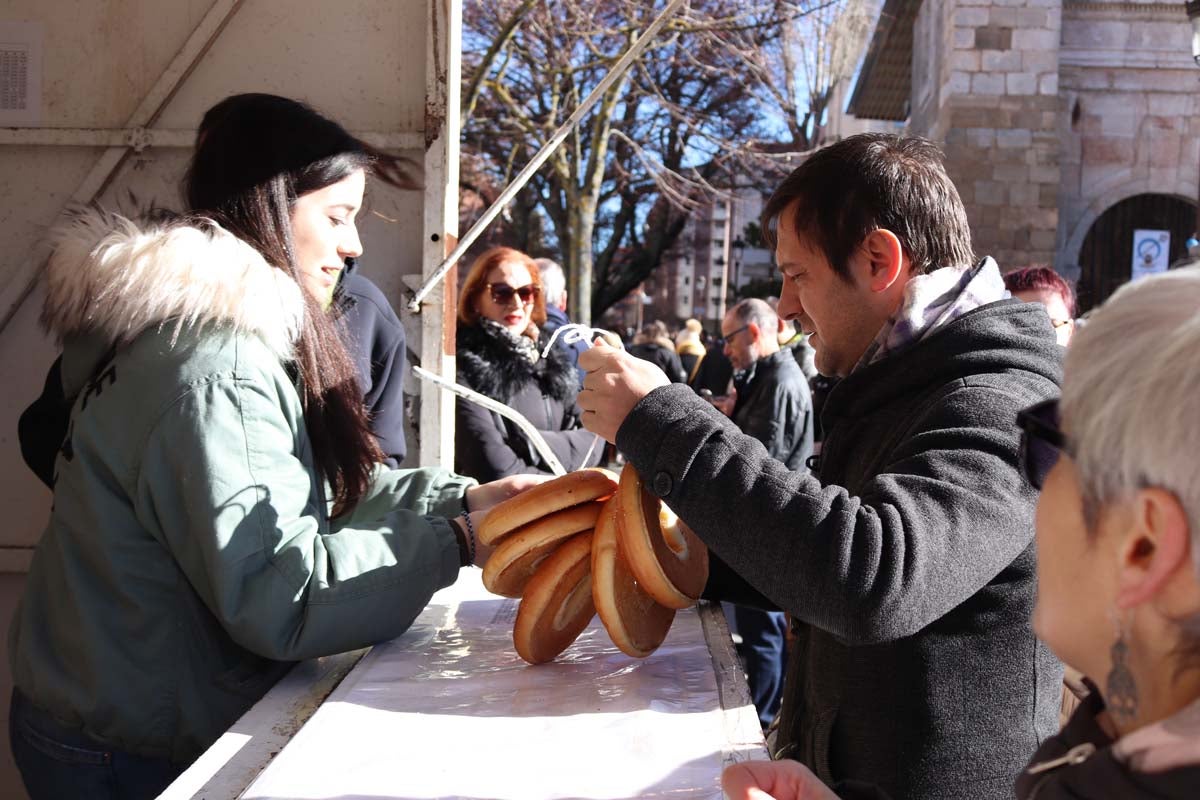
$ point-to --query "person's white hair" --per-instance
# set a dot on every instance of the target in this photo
(554, 282)
(1131, 395)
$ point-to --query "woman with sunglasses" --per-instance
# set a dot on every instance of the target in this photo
(500, 345)
(1118, 546)
(220, 511)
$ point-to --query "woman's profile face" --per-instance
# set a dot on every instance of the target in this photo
(511, 297)
(1076, 574)
(324, 234)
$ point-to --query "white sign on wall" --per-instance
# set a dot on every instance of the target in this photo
(1151, 252)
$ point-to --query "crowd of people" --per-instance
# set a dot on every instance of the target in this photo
(917, 510)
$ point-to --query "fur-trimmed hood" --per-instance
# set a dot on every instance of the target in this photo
(112, 277)
(489, 362)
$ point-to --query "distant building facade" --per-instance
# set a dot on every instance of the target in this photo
(1067, 126)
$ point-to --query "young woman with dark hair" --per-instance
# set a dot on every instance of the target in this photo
(219, 507)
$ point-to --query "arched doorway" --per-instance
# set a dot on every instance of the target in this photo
(1106, 256)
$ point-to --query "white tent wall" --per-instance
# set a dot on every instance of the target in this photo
(362, 62)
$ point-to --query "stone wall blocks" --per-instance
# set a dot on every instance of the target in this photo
(960, 81)
(1039, 61)
(1102, 150)
(1039, 173)
(1004, 16)
(990, 193)
(1010, 173)
(967, 60)
(1171, 105)
(963, 38)
(1048, 84)
(1022, 83)
(965, 16)
(983, 83)
(1035, 39)
(1033, 18)
(992, 37)
(1002, 60)
(1155, 80)
(1014, 137)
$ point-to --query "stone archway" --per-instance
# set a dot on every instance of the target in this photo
(1105, 255)
(1107, 194)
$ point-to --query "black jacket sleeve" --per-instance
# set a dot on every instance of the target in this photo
(917, 540)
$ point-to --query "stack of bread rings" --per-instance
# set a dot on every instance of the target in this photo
(586, 543)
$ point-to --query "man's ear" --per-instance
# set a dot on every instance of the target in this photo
(1157, 545)
(885, 259)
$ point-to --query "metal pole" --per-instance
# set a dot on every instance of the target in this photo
(548, 148)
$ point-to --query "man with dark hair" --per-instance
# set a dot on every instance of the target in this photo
(907, 560)
(772, 404)
(1044, 285)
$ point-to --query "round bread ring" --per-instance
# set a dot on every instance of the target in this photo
(558, 602)
(519, 555)
(636, 623)
(568, 490)
(668, 560)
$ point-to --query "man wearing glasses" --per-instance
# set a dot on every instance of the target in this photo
(770, 403)
(906, 561)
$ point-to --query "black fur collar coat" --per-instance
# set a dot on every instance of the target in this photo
(487, 446)
(492, 362)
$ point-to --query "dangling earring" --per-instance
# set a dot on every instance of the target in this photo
(1120, 691)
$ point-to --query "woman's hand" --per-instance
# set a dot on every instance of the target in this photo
(486, 495)
(773, 780)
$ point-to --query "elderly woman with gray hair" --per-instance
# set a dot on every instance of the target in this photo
(1118, 540)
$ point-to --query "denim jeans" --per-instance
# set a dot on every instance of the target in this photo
(764, 648)
(58, 763)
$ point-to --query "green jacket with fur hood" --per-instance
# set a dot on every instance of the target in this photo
(190, 556)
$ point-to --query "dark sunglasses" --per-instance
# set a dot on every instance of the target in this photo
(1042, 441)
(502, 293)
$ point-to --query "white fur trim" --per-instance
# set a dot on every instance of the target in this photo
(109, 275)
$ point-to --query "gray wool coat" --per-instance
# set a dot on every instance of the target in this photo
(906, 560)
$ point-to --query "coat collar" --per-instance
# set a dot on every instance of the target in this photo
(112, 277)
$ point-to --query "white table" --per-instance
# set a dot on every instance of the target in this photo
(449, 710)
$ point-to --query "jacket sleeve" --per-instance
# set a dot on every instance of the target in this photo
(385, 400)
(222, 487)
(923, 535)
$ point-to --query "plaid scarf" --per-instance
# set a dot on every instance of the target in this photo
(933, 300)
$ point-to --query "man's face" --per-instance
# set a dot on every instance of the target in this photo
(834, 311)
(741, 342)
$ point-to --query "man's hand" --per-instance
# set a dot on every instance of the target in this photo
(486, 495)
(615, 383)
(773, 780)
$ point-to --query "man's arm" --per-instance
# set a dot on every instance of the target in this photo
(921, 537)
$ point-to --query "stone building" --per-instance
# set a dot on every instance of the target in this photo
(1066, 125)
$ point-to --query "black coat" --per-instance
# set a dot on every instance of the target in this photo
(487, 446)
(375, 339)
(774, 406)
(663, 357)
(906, 562)
(1098, 776)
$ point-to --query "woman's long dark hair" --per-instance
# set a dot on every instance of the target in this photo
(255, 155)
